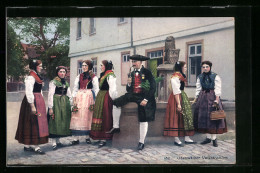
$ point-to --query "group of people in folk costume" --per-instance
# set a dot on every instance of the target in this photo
(93, 108)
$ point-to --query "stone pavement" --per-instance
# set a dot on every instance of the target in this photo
(158, 150)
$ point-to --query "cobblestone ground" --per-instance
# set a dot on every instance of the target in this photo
(89, 154)
(151, 154)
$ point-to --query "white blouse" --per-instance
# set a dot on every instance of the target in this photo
(217, 88)
(29, 84)
(111, 80)
(76, 86)
(52, 88)
(176, 84)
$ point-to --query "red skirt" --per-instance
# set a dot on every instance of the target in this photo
(32, 129)
(107, 120)
(173, 123)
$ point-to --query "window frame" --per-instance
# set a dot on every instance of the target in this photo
(94, 66)
(122, 61)
(188, 44)
(90, 26)
(123, 22)
(77, 32)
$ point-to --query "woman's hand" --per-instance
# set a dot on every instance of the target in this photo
(33, 108)
(179, 107)
(217, 99)
(74, 101)
(194, 101)
(51, 113)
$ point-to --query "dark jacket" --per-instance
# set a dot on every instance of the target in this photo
(150, 108)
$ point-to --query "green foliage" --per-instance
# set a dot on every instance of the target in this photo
(15, 61)
(146, 85)
(50, 36)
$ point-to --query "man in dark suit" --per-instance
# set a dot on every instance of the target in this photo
(145, 99)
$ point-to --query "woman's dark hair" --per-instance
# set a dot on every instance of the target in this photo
(108, 65)
(178, 67)
(207, 62)
(61, 67)
(34, 63)
(89, 63)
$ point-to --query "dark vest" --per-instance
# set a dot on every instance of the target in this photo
(207, 82)
(105, 85)
(37, 87)
(61, 90)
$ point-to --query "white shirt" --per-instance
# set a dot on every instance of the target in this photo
(111, 80)
(176, 84)
(217, 88)
(29, 84)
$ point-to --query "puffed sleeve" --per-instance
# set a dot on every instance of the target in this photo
(69, 95)
(176, 83)
(76, 87)
(29, 83)
(111, 80)
(95, 85)
(198, 88)
(217, 88)
(52, 88)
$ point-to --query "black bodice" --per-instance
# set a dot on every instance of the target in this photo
(37, 87)
(61, 90)
(105, 85)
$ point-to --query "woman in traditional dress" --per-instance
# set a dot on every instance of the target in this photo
(208, 91)
(59, 107)
(178, 120)
(84, 92)
(32, 127)
(102, 118)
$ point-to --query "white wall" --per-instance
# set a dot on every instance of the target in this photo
(218, 45)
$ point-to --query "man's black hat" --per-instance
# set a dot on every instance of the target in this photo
(139, 57)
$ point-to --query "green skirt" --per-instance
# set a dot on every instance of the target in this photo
(59, 126)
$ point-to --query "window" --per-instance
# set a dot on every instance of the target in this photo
(94, 61)
(194, 60)
(126, 57)
(155, 54)
(125, 66)
(79, 67)
(92, 29)
(79, 28)
(122, 20)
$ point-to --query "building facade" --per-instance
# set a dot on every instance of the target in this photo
(115, 39)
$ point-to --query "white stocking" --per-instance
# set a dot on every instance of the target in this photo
(188, 139)
(176, 139)
(116, 116)
(208, 136)
(143, 131)
(213, 136)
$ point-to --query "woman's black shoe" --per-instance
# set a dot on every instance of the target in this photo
(88, 141)
(180, 145)
(60, 145)
(101, 144)
(75, 142)
(206, 141)
(188, 142)
(54, 147)
(215, 143)
(113, 130)
(28, 149)
(39, 151)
